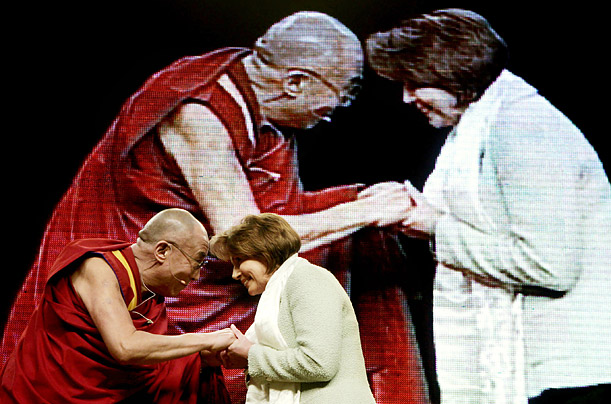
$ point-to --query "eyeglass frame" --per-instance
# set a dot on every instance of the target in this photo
(344, 100)
(200, 265)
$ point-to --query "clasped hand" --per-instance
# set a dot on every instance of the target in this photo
(230, 349)
(219, 341)
(401, 204)
(422, 217)
(236, 354)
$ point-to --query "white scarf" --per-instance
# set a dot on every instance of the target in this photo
(478, 328)
(265, 331)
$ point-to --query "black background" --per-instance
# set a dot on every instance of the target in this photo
(72, 64)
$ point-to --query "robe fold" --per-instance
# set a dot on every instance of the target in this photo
(61, 356)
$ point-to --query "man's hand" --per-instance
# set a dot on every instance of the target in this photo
(422, 218)
(389, 203)
(236, 356)
(220, 340)
(380, 188)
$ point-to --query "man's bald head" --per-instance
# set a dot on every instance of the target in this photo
(170, 251)
(313, 41)
(176, 225)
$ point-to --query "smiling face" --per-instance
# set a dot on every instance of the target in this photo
(438, 105)
(252, 273)
(184, 266)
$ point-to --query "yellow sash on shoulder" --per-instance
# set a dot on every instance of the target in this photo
(132, 282)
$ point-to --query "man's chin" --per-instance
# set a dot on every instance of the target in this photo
(440, 124)
(300, 124)
(310, 126)
(291, 126)
(315, 122)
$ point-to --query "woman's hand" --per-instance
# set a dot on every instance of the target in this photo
(236, 355)
(387, 203)
(422, 218)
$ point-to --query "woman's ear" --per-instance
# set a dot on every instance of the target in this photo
(295, 82)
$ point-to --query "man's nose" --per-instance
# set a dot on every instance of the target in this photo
(235, 274)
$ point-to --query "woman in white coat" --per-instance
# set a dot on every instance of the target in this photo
(304, 345)
(518, 211)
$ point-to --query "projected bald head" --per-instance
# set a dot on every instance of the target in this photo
(304, 67)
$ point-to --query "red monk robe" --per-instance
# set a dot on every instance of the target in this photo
(129, 177)
(61, 357)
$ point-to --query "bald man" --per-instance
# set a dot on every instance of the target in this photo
(205, 134)
(98, 334)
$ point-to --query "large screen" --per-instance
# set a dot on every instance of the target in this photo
(75, 81)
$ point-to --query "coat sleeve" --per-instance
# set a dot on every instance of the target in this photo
(316, 305)
(540, 167)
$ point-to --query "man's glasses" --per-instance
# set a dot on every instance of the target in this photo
(199, 264)
(345, 97)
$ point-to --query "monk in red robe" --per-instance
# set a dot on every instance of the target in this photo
(98, 333)
(202, 135)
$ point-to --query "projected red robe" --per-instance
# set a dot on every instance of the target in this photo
(129, 177)
(62, 358)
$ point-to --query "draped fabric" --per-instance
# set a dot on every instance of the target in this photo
(266, 331)
(62, 357)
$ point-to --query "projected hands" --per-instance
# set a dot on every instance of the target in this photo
(422, 218)
(403, 205)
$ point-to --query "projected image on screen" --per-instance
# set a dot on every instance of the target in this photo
(474, 255)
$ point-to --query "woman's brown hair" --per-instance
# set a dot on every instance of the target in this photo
(454, 50)
(266, 237)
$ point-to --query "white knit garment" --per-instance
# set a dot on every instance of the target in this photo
(265, 331)
(477, 328)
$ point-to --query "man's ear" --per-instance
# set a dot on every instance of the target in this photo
(162, 248)
(295, 82)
